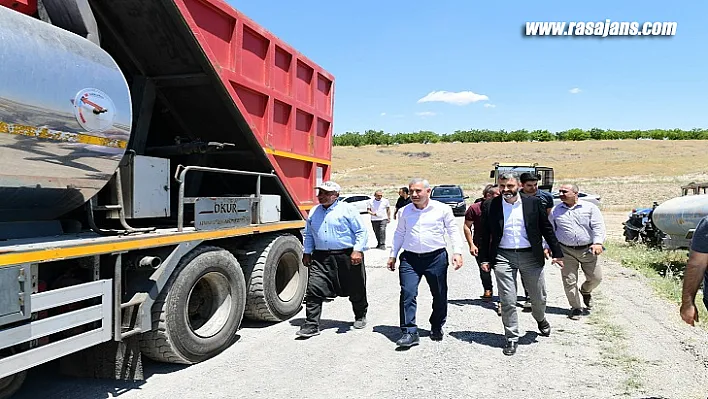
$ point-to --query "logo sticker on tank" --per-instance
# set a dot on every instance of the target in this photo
(94, 110)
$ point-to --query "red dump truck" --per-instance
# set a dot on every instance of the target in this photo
(157, 162)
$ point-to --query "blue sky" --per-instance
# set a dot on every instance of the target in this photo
(386, 56)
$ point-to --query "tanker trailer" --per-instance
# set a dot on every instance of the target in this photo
(677, 219)
(157, 161)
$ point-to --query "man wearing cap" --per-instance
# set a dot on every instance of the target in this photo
(334, 241)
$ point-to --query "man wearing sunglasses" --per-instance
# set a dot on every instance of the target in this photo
(580, 229)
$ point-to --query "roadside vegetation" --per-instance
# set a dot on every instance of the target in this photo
(379, 137)
(664, 270)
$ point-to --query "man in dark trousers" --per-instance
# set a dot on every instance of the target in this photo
(472, 230)
(334, 241)
(696, 271)
(529, 186)
(403, 200)
(420, 233)
(516, 227)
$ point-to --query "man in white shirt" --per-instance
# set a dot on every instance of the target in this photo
(380, 211)
(516, 226)
(422, 226)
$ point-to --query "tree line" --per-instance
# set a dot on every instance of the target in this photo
(379, 137)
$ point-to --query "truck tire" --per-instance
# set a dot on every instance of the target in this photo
(276, 278)
(199, 310)
(11, 384)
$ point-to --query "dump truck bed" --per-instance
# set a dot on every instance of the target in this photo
(220, 77)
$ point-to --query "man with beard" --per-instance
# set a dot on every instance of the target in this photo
(421, 230)
(403, 200)
(334, 241)
(516, 226)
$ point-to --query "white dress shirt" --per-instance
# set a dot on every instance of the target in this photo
(514, 233)
(423, 230)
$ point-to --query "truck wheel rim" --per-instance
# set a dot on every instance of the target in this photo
(209, 305)
(287, 277)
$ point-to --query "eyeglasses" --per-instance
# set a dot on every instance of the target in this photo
(563, 191)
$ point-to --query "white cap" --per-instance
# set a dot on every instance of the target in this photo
(329, 186)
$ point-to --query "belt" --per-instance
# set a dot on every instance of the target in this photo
(528, 249)
(334, 251)
(576, 246)
(426, 254)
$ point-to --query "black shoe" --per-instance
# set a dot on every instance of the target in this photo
(308, 331)
(587, 299)
(544, 327)
(510, 348)
(575, 314)
(436, 334)
(408, 340)
(360, 323)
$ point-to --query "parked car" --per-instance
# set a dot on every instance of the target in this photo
(452, 195)
(595, 199)
(360, 201)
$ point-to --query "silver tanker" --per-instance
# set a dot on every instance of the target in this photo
(65, 119)
(678, 217)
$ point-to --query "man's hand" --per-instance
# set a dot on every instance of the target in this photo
(356, 256)
(547, 253)
(391, 264)
(306, 260)
(485, 267)
(596, 249)
(558, 261)
(457, 261)
(689, 313)
(474, 250)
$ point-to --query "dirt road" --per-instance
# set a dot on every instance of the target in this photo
(632, 345)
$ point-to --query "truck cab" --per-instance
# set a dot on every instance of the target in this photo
(544, 173)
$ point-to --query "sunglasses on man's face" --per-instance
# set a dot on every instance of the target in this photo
(563, 191)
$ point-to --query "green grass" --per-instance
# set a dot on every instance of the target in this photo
(613, 347)
(664, 269)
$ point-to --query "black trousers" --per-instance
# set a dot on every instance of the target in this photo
(379, 227)
(332, 275)
(432, 265)
(486, 277)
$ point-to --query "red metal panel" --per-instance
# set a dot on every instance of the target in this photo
(286, 98)
(28, 7)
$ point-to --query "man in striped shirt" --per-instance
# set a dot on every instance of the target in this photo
(580, 229)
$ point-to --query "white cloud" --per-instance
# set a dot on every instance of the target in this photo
(383, 114)
(457, 98)
(489, 106)
(574, 90)
(426, 113)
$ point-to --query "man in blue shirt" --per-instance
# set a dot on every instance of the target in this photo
(695, 273)
(333, 251)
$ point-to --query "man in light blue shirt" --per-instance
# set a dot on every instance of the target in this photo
(333, 251)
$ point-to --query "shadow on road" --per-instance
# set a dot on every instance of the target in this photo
(327, 324)
(491, 339)
(46, 381)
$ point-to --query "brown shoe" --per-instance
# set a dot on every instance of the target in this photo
(487, 295)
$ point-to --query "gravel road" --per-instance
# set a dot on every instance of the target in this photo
(632, 345)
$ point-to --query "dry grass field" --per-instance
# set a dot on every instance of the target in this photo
(625, 173)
